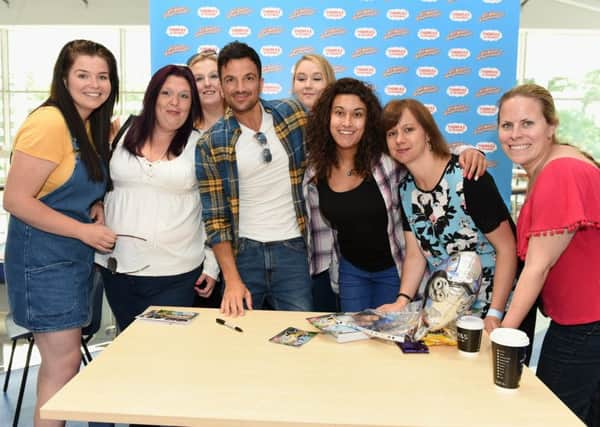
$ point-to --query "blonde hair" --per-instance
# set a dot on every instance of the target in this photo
(538, 93)
(200, 56)
(323, 63)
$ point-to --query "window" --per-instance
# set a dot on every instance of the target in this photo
(27, 57)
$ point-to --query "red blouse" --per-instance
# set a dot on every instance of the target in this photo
(566, 197)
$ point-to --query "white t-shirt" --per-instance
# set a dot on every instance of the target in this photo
(266, 202)
(158, 201)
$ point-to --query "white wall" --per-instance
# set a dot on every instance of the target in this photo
(561, 14)
(535, 14)
(74, 12)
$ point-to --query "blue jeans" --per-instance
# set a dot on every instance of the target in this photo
(277, 273)
(360, 289)
(323, 296)
(130, 295)
(570, 366)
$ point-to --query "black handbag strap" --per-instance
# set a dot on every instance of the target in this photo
(120, 133)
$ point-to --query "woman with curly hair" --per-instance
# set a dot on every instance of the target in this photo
(351, 191)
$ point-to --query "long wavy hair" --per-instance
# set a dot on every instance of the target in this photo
(144, 124)
(321, 147)
(94, 152)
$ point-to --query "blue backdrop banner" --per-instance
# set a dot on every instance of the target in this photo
(456, 56)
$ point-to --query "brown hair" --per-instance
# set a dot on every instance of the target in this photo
(393, 111)
(321, 148)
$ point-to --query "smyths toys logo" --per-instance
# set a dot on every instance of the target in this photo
(239, 32)
(302, 32)
(271, 50)
(177, 31)
(428, 34)
(460, 15)
(489, 73)
(427, 72)
(365, 33)
(396, 52)
(364, 71)
(334, 13)
(271, 13)
(457, 91)
(456, 128)
(459, 53)
(487, 110)
(487, 146)
(397, 14)
(395, 90)
(490, 35)
(208, 12)
(271, 88)
(333, 51)
(431, 107)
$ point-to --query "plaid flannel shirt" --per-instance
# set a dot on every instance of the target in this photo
(216, 168)
(323, 249)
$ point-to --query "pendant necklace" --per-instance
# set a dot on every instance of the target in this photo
(350, 172)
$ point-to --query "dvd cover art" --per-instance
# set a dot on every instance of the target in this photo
(293, 337)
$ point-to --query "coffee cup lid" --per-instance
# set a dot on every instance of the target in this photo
(509, 337)
(470, 322)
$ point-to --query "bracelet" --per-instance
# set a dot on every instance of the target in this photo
(408, 297)
(495, 313)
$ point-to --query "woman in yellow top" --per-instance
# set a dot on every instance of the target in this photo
(58, 172)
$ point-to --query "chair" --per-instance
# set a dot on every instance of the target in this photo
(16, 333)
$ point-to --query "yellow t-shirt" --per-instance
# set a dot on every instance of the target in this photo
(45, 135)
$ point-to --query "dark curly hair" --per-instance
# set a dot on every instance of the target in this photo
(321, 148)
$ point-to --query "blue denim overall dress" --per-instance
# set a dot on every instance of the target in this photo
(48, 276)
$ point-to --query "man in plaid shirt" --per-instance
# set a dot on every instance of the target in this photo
(250, 166)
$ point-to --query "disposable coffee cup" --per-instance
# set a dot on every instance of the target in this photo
(509, 351)
(468, 335)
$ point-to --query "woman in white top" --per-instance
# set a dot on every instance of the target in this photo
(154, 206)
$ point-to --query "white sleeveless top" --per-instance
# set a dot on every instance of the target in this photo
(158, 201)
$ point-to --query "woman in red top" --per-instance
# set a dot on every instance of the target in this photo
(558, 235)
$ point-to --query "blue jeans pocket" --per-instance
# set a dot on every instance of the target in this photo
(297, 245)
(52, 290)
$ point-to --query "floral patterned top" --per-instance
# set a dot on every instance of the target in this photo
(454, 217)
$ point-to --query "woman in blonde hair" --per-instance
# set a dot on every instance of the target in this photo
(312, 74)
(206, 75)
(558, 236)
